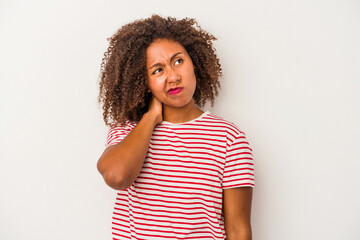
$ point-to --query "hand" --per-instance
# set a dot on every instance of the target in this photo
(155, 109)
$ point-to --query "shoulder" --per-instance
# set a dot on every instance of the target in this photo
(232, 132)
(227, 125)
(127, 126)
(117, 132)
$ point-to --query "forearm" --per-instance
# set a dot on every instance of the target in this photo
(244, 234)
(237, 213)
(121, 163)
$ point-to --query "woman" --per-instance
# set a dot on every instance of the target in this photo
(180, 172)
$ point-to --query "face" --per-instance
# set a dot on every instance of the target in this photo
(170, 71)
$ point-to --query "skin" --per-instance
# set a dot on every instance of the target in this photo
(237, 213)
(168, 66)
(121, 163)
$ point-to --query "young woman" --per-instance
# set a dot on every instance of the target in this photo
(180, 172)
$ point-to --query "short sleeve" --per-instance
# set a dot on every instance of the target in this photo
(117, 133)
(239, 164)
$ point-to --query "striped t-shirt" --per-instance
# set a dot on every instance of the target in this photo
(178, 193)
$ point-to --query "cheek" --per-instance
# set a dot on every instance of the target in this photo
(192, 77)
(155, 85)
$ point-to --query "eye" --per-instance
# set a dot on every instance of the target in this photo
(179, 61)
(157, 70)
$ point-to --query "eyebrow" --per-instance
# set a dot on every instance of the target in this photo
(171, 59)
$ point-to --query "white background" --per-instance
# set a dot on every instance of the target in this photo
(291, 83)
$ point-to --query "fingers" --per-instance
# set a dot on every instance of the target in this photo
(155, 107)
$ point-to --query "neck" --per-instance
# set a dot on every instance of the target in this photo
(181, 114)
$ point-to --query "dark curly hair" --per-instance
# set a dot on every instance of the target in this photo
(123, 83)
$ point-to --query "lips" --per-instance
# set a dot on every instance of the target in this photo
(174, 91)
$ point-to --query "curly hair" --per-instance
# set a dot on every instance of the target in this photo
(123, 83)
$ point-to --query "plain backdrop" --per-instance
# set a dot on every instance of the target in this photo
(291, 83)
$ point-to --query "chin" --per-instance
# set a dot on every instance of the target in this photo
(178, 104)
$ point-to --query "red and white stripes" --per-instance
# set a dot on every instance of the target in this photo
(178, 193)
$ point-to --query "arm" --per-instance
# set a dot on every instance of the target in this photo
(237, 212)
(121, 163)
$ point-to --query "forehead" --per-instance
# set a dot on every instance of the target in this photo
(162, 49)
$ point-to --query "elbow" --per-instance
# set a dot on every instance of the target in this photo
(115, 180)
(113, 176)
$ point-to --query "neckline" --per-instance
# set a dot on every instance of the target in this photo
(190, 121)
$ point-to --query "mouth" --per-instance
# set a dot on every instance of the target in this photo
(174, 91)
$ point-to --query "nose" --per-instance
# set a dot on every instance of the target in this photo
(172, 75)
